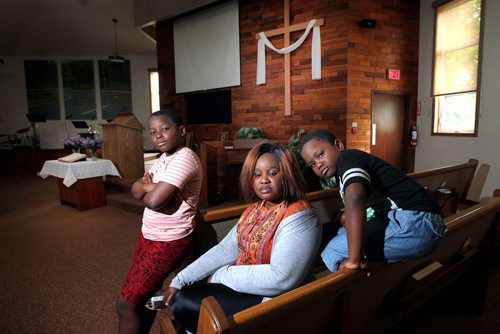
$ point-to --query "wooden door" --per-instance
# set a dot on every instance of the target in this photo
(388, 135)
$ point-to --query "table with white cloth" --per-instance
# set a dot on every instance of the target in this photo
(80, 183)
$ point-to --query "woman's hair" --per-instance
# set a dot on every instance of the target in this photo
(320, 134)
(294, 186)
(170, 114)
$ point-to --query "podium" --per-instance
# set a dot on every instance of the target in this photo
(123, 145)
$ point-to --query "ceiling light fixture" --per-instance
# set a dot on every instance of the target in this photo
(116, 58)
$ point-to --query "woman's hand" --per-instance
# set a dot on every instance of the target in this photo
(168, 295)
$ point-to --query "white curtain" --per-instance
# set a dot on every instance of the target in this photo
(316, 52)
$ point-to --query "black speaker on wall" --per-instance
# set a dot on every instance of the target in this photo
(368, 23)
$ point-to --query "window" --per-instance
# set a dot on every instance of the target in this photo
(116, 88)
(78, 84)
(79, 89)
(154, 90)
(42, 88)
(457, 66)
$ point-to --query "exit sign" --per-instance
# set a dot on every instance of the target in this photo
(393, 74)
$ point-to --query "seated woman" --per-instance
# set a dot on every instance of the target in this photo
(271, 249)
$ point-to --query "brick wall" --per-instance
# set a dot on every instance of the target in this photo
(392, 44)
(354, 63)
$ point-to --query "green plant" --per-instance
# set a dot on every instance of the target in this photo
(250, 132)
(294, 144)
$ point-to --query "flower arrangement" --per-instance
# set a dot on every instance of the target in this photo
(72, 143)
(78, 144)
(91, 144)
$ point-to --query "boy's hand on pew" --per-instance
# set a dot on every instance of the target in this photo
(350, 265)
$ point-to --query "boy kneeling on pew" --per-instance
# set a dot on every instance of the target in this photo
(401, 222)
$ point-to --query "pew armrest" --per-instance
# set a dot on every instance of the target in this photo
(166, 326)
(212, 318)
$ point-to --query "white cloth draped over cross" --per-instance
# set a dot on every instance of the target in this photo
(315, 52)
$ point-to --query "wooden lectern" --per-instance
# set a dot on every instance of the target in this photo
(123, 145)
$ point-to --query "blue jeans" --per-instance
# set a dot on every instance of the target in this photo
(399, 235)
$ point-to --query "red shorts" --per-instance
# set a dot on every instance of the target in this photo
(153, 262)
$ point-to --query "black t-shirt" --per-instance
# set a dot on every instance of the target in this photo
(387, 188)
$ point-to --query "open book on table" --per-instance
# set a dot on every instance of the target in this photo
(73, 157)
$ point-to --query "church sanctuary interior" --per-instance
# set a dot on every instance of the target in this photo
(414, 82)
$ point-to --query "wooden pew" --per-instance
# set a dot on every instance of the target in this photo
(395, 290)
(458, 177)
(336, 303)
(448, 185)
(213, 224)
(213, 216)
(312, 308)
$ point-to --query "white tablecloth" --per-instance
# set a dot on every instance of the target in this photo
(73, 171)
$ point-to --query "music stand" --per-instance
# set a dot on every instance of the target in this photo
(36, 118)
(80, 124)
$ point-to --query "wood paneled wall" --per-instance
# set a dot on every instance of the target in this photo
(354, 63)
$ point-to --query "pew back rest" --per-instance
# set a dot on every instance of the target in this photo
(457, 177)
(325, 201)
(312, 308)
(328, 202)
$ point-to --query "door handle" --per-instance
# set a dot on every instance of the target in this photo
(374, 134)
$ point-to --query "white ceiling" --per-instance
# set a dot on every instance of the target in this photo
(70, 27)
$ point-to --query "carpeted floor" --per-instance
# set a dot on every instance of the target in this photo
(61, 269)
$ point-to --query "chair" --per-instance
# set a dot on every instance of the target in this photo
(189, 140)
(223, 136)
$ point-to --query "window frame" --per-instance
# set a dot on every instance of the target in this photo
(434, 98)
